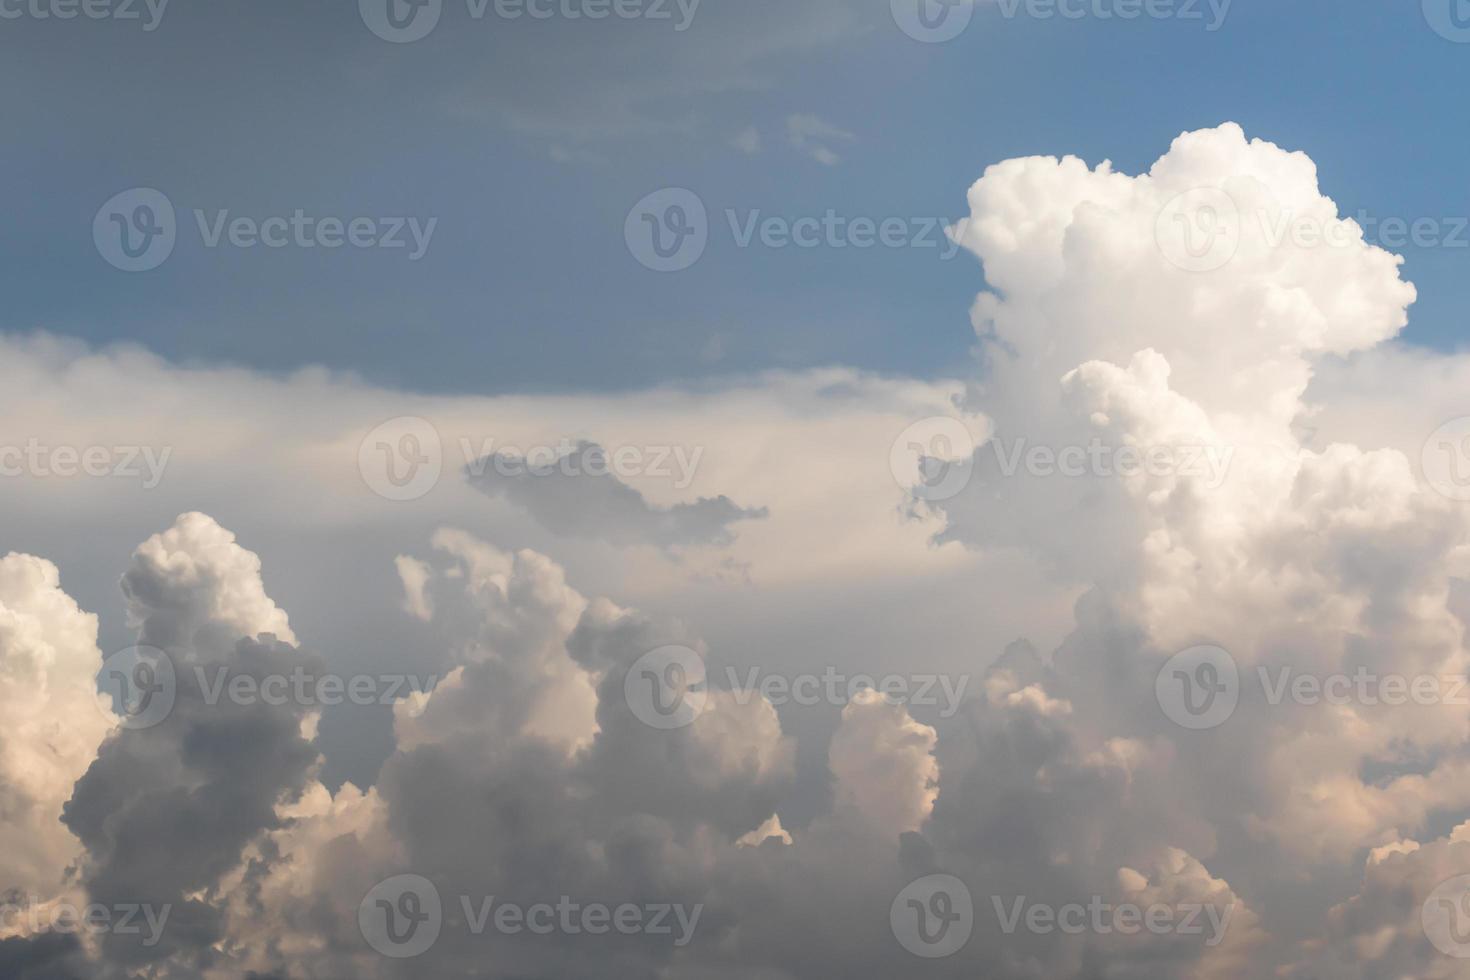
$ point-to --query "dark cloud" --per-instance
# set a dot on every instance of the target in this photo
(576, 496)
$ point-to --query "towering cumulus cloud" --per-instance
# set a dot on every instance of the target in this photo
(54, 720)
(1199, 771)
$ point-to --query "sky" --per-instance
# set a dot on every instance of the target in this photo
(734, 490)
(530, 140)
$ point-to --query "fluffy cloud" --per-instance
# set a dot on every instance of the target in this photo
(1249, 480)
(54, 721)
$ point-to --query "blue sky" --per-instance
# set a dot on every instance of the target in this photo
(530, 141)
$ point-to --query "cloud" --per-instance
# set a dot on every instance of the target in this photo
(166, 810)
(579, 494)
(563, 751)
(747, 141)
(54, 721)
(813, 136)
